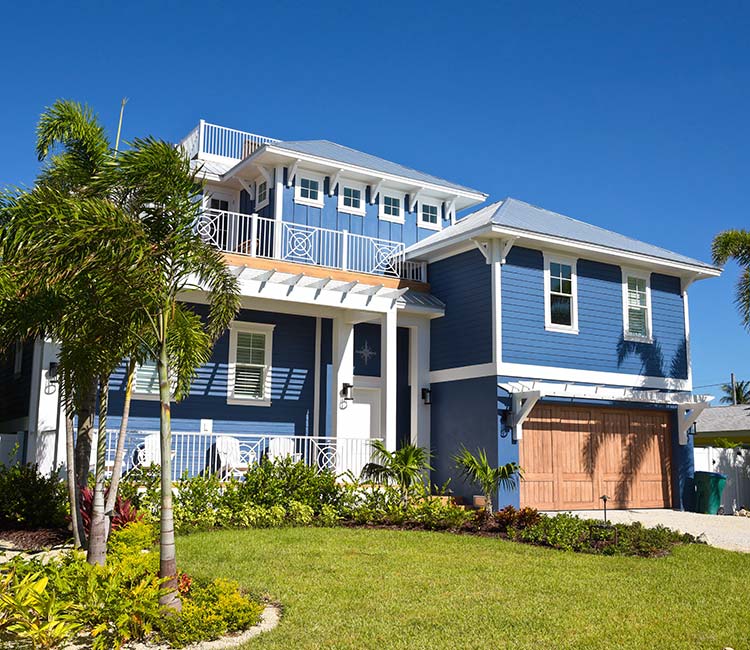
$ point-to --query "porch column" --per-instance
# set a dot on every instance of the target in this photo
(343, 372)
(419, 378)
(388, 372)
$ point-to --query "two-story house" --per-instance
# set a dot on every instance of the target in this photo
(369, 310)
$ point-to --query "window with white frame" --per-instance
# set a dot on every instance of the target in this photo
(250, 348)
(429, 215)
(351, 197)
(146, 378)
(560, 295)
(636, 292)
(308, 188)
(261, 194)
(391, 206)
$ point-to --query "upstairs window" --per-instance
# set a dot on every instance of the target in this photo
(351, 198)
(250, 347)
(391, 206)
(636, 306)
(146, 381)
(308, 189)
(261, 194)
(429, 216)
(560, 308)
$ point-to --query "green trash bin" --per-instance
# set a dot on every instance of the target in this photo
(709, 487)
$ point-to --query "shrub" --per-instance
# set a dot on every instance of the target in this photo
(29, 499)
(196, 503)
(122, 514)
(299, 514)
(135, 537)
(434, 514)
(563, 531)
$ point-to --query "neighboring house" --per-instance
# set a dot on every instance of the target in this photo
(723, 423)
(370, 311)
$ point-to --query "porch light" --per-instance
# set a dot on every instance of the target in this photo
(347, 392)
(427, 396)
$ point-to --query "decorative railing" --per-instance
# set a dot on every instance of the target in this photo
(213, 140)
(250, 234)
(232, 454)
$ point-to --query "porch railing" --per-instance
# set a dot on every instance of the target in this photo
(250, 234)
(213, 140)
(232, 454)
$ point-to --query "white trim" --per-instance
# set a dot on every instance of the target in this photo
(316, 377)
(232, 197)
(312, 176)
(464, 372)
(355, 185)
(523, 403)
(434, 203)
(493, 259)
(640, 275)
(688, 354)
(251, 328)
(393, 194)
(262, 204)
(548, 324)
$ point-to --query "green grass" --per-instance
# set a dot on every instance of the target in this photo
(356, 588)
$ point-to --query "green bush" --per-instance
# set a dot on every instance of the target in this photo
(563, 531)
(29, 499)
(434, 514)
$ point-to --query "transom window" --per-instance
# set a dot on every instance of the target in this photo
(429, 214)
(261, 194)
(250, 364)
(637, 307)
(560, 309)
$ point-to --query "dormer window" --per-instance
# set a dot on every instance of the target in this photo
(429, 216)
(351, 197)
(261, 194)
(391, 206)
(308, 189)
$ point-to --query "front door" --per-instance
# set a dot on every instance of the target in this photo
(353, 449)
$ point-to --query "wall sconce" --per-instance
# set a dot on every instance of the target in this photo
(52, 372)
(427, 396)
(347, 392)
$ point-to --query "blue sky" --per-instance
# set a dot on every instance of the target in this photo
(633, 116)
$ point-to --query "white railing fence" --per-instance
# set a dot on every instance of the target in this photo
(735, 465)
(250, 234)
(213, 140)
(232, 454)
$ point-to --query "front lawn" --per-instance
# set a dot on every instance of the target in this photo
(359, 588)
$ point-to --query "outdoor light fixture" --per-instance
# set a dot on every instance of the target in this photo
(347, 392)
(605, 498)
(52, 372)
(427, 396)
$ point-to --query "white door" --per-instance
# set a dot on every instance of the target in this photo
(354, 450)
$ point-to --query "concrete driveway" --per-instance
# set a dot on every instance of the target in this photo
(722, 531)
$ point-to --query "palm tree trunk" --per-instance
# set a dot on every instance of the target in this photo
(121, 435)
(75, 512)
(167, 551)
(85, 436)
(97, 552)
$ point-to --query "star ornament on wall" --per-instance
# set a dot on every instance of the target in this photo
(366, 353)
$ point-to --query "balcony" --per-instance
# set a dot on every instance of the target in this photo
(210, 141)
(255, 236)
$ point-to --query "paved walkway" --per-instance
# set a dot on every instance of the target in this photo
(727, 531)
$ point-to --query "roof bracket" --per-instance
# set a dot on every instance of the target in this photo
(266, 173)
(292, 173)
(523, 402)
(687, 414)
(375, 190)
(334, 182)
(247, 187)
(413, 198)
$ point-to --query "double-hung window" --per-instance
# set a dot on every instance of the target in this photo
(391, 206)
(308, 189)
(636, 296)
(261, 194)
(429, 215)
(146, 381)
(560, 295)
(351, 197)
(250, 346)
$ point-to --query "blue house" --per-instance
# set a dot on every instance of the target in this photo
(370, 310)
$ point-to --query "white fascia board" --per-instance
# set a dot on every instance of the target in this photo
(429, 312)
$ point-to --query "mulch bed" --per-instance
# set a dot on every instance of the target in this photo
(34, 540)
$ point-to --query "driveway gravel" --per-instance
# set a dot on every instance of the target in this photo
(723, 531)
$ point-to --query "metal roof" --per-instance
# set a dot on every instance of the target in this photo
(722, 419)
(524, 217)
(346, 155)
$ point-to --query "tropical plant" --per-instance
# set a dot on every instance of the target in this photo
(735, 244)
(478, 470)
(405, 467)
(739, 395)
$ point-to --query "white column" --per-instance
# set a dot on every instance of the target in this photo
(46, 435)
(388, 373)
(343, 372)
(419, 378)
(278, 210)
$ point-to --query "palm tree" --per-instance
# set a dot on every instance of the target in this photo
(741, 393)
(404, 467)
(477, 469)
(735, 244)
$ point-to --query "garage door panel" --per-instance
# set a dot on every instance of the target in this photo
(539, 494)
(577, 494)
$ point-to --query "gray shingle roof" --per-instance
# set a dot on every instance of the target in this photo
(522, 216)
(346, 155)
(723, 419)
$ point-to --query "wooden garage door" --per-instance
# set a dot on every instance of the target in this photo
(571, 456)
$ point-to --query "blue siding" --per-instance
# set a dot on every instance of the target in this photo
(463, 337)
(248, 207)
(600, 345)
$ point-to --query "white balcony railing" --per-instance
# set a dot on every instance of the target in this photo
(232, 454)
(211, 140)
(250, 234)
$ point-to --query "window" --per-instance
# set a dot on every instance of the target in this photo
(636, 294)
(261, 194)
(146, 379)
(351, 197)
(560, 308)
(391, 206)
(429, 216)
(308, 189)
(250, 346)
